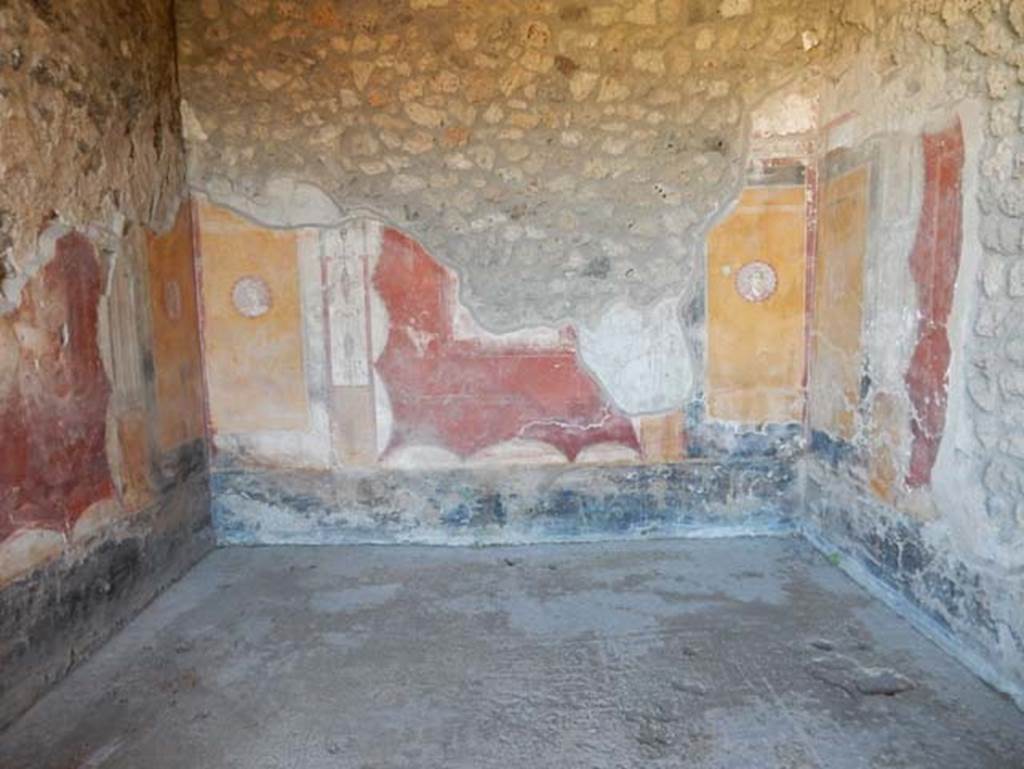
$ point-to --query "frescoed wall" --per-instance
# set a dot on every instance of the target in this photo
(92, 435)
(406, 373)
(912, 474)
(893, 425)
(476, 236)
(433, 241)
(377, 367)
(466, 394)
(353, 348)
(104, 496)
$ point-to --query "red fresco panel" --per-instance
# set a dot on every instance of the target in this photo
(464, 394)
(934, 264)
(53, 461)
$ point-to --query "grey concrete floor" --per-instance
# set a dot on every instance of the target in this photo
(751, 654)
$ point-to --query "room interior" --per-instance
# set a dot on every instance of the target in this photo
(407, 383)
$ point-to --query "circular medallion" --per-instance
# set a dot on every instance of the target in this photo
(756, 281)
(251, 296)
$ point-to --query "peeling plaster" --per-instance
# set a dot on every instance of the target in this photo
(641, 357)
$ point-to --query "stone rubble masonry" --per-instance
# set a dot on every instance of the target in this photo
(91, 125)
(560, 155)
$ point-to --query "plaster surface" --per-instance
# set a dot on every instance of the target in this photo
(496, 506)
(756, 345)
(732, 653)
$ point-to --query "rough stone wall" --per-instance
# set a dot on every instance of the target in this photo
(560, 155)
(90, 119)
(994, 377)
(928, 456)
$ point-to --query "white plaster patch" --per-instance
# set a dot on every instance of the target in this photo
(46, 249)
(891, 302)
(418, 457)
(608, 454)
(786, 114)
(843, 134)
(97, 521)
(640, 357)
(190, 124)
(280, 447)
(385, 418)
(27, 550)
(282, 203)
(519, 452)
(466, 327)
(314, 351)
(380, 327)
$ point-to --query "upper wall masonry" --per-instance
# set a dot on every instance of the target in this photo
(91, 128)
(560, 154)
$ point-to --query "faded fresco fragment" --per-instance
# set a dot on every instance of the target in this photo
(935, 263)
(176, 354)
(253, 331)
(839, 302)
(662, 436)
(464, 396)
(53, 405)
(404, 364)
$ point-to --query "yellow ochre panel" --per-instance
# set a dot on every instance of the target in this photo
(252, 325)
(176, 358)
(756, 346)
(838, 302)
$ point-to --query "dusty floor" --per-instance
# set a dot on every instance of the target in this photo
(751, 654)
